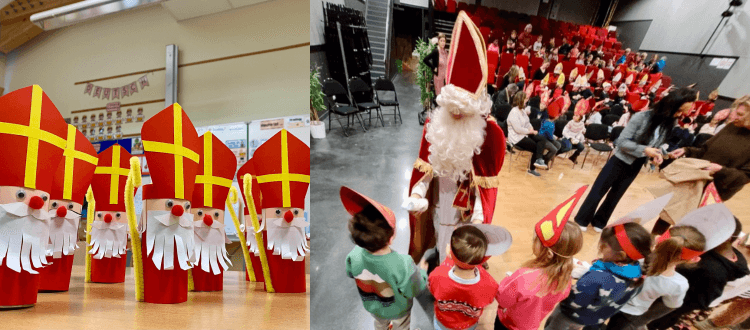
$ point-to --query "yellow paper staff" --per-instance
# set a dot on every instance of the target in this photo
(247, 182)
(233, 199)
(191, 284)
(89, 222)
(134, 181)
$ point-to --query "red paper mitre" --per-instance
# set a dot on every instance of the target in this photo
(248, 168)
(79, 158)
(23, 113)
(172, 148)
(355, 202)
(551, 226)
(710, 195)
(215, 173)
(110, 176)
(282, 165)
(467, 60)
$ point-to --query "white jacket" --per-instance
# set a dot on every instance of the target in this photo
(518, 125)
(569, 133)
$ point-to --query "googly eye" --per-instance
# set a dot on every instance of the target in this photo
(99, 215)
(118, 215)
(216, 215)
(54, 205)
(200, 213)
(45, 198)
(296, 212)
(70, 206)
(21, 194)
(170, 203)
(278, 212)
(187, 206)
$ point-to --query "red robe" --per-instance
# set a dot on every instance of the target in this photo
(56, 277)
(487, 166)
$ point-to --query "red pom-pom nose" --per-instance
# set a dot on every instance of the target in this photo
(36, 202)
(107, 218)
(208, 220)
(62, 212)
(177, 210)
(289, 216)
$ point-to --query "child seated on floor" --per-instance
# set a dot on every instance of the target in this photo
(527, 296)
(386, 280)
(461, 287)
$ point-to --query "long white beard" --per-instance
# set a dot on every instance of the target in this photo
(164, 232)
(108, 240)
(24, 234)
(290, 242)
(454, 142)
(252, 243)
(63, 235)
(210, 246)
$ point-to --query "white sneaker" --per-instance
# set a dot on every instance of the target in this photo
(584, 228)
(540, 164)
(597, 229)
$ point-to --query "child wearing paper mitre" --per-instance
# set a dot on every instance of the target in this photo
(527, 296)
(682, 245)
(461, 287)
(386, 280)
(610, 282)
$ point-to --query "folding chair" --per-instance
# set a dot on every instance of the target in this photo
(364, 99)
(385, 85)
(594, 133)
(338, 102)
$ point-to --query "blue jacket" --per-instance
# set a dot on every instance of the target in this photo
(601, 292)
(621, 60)
(660, 65)
(548, 130)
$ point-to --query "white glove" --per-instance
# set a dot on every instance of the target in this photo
(579, 268)
(412, 204)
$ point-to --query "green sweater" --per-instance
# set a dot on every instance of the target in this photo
(396, 270)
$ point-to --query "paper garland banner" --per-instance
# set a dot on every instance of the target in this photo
(116, 92)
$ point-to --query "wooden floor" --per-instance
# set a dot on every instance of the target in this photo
(523, 200)
(242, 305)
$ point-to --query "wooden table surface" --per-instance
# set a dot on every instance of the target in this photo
(112, 306)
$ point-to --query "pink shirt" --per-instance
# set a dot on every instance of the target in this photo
(519, 306)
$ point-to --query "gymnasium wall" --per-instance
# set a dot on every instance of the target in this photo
(684, 26)
(241, 89)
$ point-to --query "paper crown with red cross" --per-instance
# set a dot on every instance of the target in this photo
(32, 139)
(215, 173)
(76, 169)
(467, 60)
(248, 168)
(551, 226)
(109, 179)
(282, 167)
(172, 148)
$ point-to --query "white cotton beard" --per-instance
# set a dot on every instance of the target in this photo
(63, 235)
(164, 232)
(211, 248)
(24, 234)
(454, 142)
(287, 240)
(108, 240)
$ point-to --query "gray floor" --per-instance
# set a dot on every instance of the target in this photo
(377, 163)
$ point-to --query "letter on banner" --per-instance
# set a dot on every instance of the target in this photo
(143, 80)
(134, 88)
(105, 94)
(115, 93)
(97, 91)
(124, 91)
(89, 88)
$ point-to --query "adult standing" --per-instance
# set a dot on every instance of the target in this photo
(729, 154)
(638, 142)
(437, 61)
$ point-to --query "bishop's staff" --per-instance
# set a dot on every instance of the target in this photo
(134, 181)
(89, 222)
(247, 182)
(240, 227)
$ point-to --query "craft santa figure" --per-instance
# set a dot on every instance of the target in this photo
(282, 168)
(252, 243)
(556, 79)
(32, 139)
(212, 184)
(172, 149)
(455, 178)
(108, 234)
(72, 179)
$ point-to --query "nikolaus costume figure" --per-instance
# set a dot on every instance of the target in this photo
(455, 178)
(109, 229)
(282, 168)
(212, 184)
(172, 149)
(69, 185)
(32, 139)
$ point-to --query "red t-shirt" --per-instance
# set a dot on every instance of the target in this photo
(457, 305)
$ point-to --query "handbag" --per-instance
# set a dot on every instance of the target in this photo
(566, 144)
